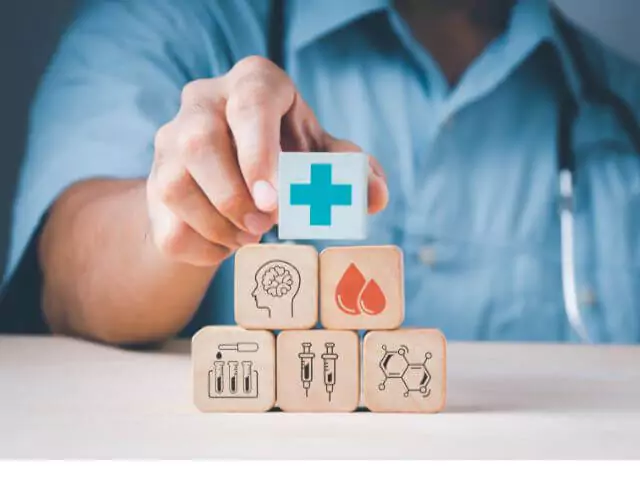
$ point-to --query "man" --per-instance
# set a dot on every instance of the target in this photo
(156, 133)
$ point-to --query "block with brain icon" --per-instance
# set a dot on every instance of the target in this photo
(276, 287)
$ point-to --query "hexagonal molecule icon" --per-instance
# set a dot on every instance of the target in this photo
(393, 363)
(417, 377)
(414, 376)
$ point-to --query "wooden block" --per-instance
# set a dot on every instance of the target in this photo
(362, 288)
(404, 371)
(233, 370)
(276, 287)
(322, 196)
(318, 371)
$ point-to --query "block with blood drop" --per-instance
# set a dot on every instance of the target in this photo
(361, 288)
(355, 294)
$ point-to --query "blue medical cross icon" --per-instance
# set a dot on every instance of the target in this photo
(320, 195)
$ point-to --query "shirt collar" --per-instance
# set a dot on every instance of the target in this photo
(546, 19)
(310, 20)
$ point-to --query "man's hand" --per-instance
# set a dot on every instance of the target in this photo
(212, 186)
(211, 190)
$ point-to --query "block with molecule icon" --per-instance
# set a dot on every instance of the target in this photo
(322, 196)
(404, 371)
(233, 370)
(276, 287)
(318, 371)
(361, 288)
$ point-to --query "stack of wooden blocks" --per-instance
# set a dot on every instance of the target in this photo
(285, 288)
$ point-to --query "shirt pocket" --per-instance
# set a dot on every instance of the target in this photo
(607, 229)
(486, 289)
(608, 247)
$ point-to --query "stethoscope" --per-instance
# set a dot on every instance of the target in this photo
(592, 90)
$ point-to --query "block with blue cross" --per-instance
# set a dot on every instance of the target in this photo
(322, 196)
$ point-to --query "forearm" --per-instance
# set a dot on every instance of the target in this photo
(104, 279)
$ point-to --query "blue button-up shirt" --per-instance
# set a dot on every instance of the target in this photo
(471, 169)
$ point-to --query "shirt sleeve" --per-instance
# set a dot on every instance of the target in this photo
(115, 79)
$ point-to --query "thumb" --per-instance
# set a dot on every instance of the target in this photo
(378, 191)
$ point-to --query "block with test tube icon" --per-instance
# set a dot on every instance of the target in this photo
(233, 369)
(318, 371)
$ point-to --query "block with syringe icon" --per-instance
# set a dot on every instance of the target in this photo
(318, 371)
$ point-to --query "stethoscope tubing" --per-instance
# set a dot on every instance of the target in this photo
(592, 90)
(568, 268)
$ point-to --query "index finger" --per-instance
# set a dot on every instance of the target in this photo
(259, 99)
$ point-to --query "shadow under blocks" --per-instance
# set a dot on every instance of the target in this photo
(298, 311)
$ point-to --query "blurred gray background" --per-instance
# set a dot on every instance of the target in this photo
(29, 31)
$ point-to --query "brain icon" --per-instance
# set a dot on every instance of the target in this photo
(277, 281)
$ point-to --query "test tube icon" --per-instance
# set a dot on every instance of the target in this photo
(306, 367)
(246, 376)
(218, 375)
(329, 363)
(233, 377)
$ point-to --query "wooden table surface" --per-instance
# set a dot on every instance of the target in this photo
(63, 398)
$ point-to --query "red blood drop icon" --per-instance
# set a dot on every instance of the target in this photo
(372, 300)
(348, 290)
(356, 295)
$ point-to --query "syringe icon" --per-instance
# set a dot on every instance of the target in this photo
(306, 367)
(329, 360)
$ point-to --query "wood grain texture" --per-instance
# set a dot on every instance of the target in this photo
(276, 287)
(405, 371)
(233, 370)
(303, 384)
(63, 398)
(362, 288)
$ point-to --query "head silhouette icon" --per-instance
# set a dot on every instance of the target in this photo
(277, 284)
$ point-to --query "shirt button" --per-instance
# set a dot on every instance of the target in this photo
(427, 256)
(588, 297)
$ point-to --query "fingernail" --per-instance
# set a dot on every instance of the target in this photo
(245, 238)
(377, 169)
(378, 194)
(385, 192)
(265, 196)
(257, 223)
(377, 177)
